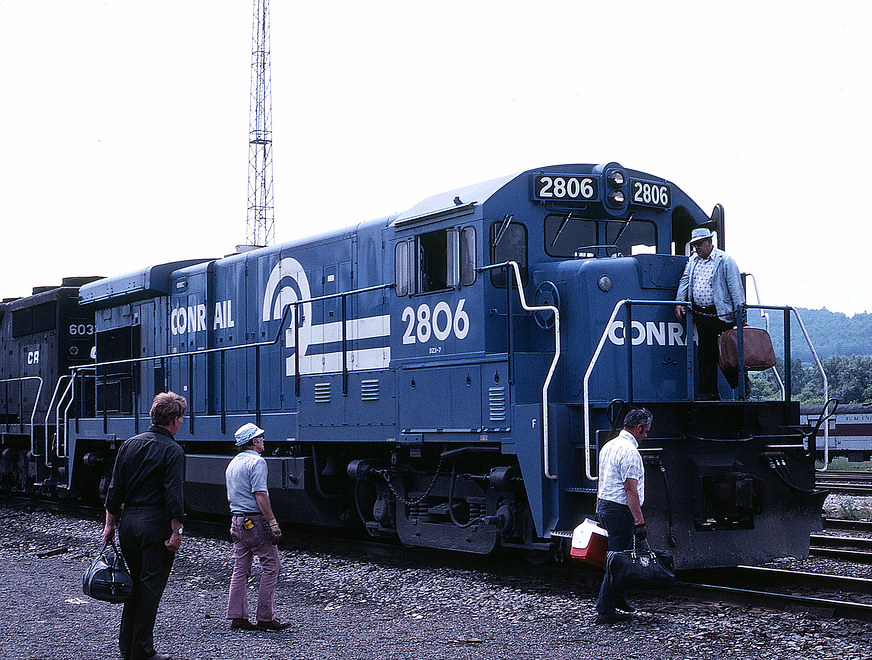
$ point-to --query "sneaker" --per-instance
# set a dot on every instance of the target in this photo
(612, 617)
(275, 624)
(242, 624)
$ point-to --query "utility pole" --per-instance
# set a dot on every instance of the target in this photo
(260, 223)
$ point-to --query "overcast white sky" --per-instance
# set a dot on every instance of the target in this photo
(124, 124)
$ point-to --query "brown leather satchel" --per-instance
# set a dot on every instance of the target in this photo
(757, 345)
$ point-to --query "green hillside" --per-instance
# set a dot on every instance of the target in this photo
(844, 346)
(832, 333)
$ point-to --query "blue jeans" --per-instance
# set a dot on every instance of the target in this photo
(618, 521)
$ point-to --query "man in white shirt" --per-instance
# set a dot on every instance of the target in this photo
(620, 496)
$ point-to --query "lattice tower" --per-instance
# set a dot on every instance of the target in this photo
(260, 224)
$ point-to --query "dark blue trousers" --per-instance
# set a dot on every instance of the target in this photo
(618, 521)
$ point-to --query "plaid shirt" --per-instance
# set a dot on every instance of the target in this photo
(620, 460)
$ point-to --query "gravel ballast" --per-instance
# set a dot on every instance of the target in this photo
(345, 607)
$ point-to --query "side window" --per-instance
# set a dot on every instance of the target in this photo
(402, 272)
(435, 261)
(467, 256)
(508, 243)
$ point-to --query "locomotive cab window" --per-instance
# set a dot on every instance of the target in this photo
(402, 269)
(633, 237)
(435, 261)
(564, 235)
(467, 256)
(508, 243)
(567, 236)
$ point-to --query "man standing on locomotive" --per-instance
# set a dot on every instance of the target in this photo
(711, 283)
(620, 496)
(254, 530)
(147, 480)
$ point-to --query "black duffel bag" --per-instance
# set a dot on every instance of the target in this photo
(640, 568)
(107, 578)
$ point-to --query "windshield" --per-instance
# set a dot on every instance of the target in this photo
(565, 234)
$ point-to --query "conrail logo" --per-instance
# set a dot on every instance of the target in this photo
(313, 346)
(193, 318)
(649, 333)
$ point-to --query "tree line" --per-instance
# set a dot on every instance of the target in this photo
(842, 343)
(849, 378)
(831, 333)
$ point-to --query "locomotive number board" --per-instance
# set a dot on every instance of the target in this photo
(649, 193)
(566, 188)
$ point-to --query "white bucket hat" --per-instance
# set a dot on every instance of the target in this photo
(247, 433)
(700, 234)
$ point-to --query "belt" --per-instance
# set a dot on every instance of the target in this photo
(246, 515)
(613, 503)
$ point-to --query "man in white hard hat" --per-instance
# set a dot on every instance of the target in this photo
(712, 284)
(254, 530)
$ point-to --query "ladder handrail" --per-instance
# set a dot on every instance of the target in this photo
(35, 404)
(546, 454)
(628, 341)
(48, 415)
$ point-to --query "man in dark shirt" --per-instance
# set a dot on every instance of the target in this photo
(147, 480)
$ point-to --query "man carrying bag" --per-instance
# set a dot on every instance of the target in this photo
(146, 500)
(620, 496)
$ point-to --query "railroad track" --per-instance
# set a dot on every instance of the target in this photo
(848, 548)
(833, 595)
(848, 525)
(846, 483)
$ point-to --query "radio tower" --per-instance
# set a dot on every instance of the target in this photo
(260, 223)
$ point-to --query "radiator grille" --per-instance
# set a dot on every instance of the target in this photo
(497, 396)
(322, 392)
(369, 390)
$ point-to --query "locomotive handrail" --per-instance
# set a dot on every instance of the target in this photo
(742, 368)
(595, 357)
(35, 403)
(62, 431)
(817, 361)
(224, 349)
(537, 308)
(765, 318)
(48, 416)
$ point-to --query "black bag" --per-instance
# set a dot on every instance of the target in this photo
(638, 568)
(107, 577)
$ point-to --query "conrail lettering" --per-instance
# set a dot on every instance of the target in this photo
(193, 318)
(650, 333)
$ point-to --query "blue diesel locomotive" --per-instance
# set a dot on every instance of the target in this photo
(442, 377)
